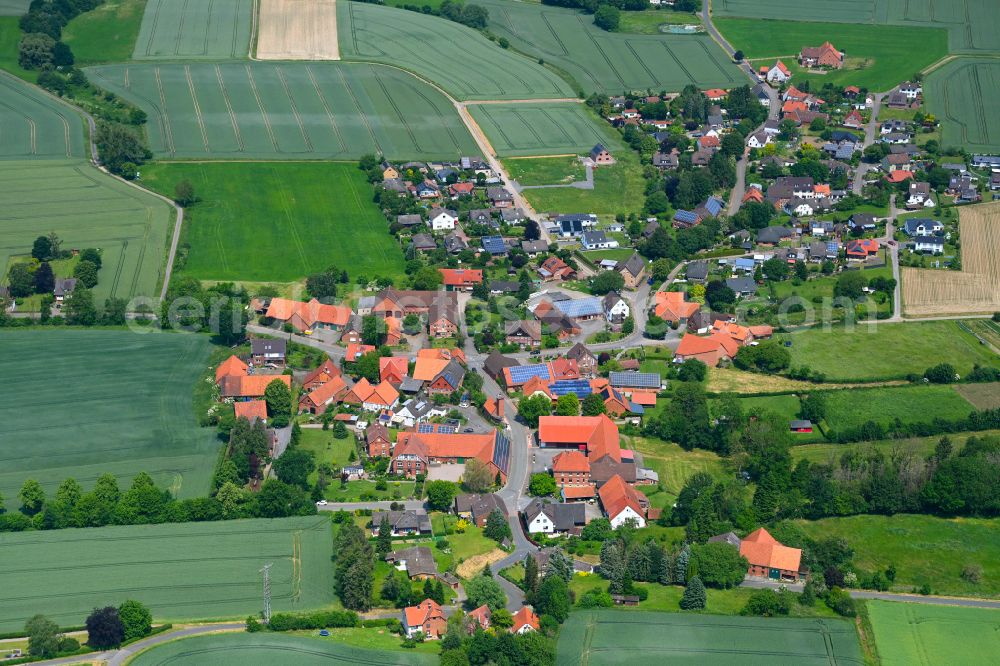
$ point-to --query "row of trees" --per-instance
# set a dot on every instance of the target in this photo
(143, 503)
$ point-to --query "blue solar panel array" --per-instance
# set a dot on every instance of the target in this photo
(686, 217)
(426, 428)
(581, 387)
(501, 452)
(581, 307)
(522, 373)
(494, 245)
(635, 379)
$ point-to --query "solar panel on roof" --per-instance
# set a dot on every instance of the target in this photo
(580, 307)
(522, 373)
(447, 430)
(501, 451)
(580, 387)
(425, 428)
(635, 379)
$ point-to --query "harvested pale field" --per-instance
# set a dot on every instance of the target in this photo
(475, 564)
(982, 396)
(298, 30)
(973, 290)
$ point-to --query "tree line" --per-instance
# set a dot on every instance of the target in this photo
(143, 503)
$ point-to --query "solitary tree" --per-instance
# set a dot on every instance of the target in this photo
(497, 527)
(184, 193)
(694, 595)
(384, 543)
(43, 637)
(136, 619)
(279, 403)
(440, 495)
(104, 628)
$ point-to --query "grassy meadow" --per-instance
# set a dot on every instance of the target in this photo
(619, 188)
(887, 351)
(917, 446)
(290, 223)
(878, 57)
(180, 571)
(106, 33)
(924, 549)
(546, 170)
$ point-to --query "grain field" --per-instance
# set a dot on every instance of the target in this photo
(298, 30)
(973, 290)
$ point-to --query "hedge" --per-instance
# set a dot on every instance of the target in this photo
(317, 620)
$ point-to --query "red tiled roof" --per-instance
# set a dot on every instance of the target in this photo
(763, 550)
(441, 352)
(671, 306)
(393, 367)
(231, 367)
(251, 386)
(331, 390)
(570, 461)
(578, 492)
(326, 371)
(356, 351)
(753, 194)
(308, 314)
(598, 433)
(644, 398)
(251, 410)
(616, 495)
(461, 277)
(426, 369)
(899, 175)
(523, 617)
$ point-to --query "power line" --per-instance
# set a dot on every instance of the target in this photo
(267, 592)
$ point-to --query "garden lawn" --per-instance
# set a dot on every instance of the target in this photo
(359, 491)
(241, 649)
(910, 404)
(181, 571)
(377, 638)
(326, 448)
(292, 221)
(887, 351)
(924, 549)
(924, 635)
(106, 33)
(546, 170)
(619, 188)
(122, 404)
(878, 56)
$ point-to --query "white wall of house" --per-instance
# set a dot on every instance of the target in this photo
(541, 525)
(619, 311)
(443, 223)
(628, 513)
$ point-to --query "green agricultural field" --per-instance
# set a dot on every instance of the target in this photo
(619, 188)
(543, 129)
(887, 351)
(86, 208)
(10, 36)
(290, 223)
(924, 549)
(216, 30)
(181, 571)
(960, 94)
(924, 635)
(243, 649)
(546, 170)
(33, 124)
(600, 638)
(288, 111)
(106, 33)
(610, 62)
(973, 25)
(122, 404)
(456, 58)
(878, 56)
(13, 7)
(909, 404)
